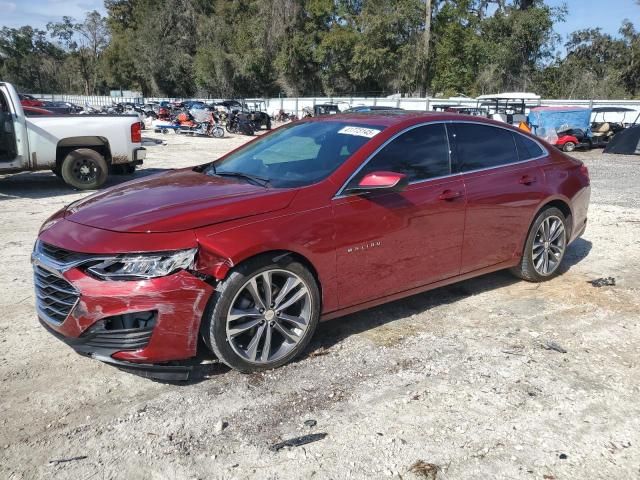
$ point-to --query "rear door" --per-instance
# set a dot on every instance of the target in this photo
(504, 186)
(389, 242)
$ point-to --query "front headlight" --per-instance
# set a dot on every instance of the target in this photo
(144, 265)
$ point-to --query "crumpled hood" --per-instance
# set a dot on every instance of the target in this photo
(175, 201)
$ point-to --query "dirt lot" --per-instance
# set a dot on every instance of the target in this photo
(457, 377)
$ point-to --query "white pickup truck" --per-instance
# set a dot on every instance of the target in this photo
(81, 149)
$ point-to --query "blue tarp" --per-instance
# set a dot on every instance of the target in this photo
(546, 122)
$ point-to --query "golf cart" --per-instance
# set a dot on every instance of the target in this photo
(256, 109)
(508, 107)
(613, 119)
(567, 128)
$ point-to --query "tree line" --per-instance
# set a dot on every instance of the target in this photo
(245, 48)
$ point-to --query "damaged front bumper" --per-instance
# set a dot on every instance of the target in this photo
(134, 325)
(147, 370)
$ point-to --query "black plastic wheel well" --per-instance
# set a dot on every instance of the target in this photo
(276, 255)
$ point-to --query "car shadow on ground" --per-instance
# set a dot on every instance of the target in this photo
(38, 185)
(205, 365)
(333, 332)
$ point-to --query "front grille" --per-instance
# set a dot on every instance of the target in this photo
(55, 297)
(61, 255)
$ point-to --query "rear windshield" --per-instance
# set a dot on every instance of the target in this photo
(298, 154)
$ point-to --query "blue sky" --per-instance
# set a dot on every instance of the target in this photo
(37, 13)
(607, 14)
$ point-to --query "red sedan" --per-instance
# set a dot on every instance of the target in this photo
(310, 222)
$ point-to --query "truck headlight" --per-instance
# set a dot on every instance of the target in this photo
(143, 265)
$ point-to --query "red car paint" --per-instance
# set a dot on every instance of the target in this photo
(30, 101)
(29, 111)
(364, 249)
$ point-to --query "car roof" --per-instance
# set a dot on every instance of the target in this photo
(389, 118)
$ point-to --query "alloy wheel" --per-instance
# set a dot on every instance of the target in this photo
(269, 316)
(548, 245)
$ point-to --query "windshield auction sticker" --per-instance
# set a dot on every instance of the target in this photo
(359, 131)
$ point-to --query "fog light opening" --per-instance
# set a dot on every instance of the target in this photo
(131, 320)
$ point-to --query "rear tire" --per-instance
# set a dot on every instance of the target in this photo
(545, 247)
(235, 319)
(84, 169)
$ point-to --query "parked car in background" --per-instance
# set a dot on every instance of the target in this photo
(315, 220)
(325, 109)
(35, 111)
(29, 100)
(461, 109)
(61, 107)
(79, 149)
(370, 108)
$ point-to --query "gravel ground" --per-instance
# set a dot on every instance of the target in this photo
(450, 384)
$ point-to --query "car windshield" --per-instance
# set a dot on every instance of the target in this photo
(296, 155)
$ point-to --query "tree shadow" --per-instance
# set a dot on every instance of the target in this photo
(45, 184)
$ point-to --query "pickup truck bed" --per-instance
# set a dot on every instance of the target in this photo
(81, 149)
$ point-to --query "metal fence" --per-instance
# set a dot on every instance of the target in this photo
(295, 105)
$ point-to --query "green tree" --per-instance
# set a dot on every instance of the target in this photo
(29, 60)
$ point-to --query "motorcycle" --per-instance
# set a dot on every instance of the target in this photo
(283, 116)
(185, 123)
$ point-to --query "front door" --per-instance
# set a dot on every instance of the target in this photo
(388, 242)
(8, 147)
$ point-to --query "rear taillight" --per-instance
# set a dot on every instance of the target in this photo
(136, 133)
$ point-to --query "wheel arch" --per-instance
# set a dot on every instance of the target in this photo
(558, 202)
(221, 269)
(561, 205)
(67, 145)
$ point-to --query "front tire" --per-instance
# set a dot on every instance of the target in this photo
(84, 169)
(568, 147)
(263, 314)
(545, 247)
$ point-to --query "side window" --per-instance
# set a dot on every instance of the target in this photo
(483, 146)
(527, 148)
(421, 153)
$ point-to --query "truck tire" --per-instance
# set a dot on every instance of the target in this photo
(84, 169)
